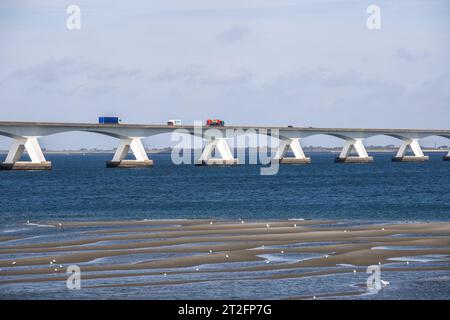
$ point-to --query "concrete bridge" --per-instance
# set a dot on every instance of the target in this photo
(25, 137)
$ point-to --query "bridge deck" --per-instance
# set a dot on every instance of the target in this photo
(234, 127)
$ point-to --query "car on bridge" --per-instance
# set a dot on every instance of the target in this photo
(215, 123)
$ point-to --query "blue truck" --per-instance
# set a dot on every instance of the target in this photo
(109, 120)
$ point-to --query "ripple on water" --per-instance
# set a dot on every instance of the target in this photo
(423, 258)
(407, 248)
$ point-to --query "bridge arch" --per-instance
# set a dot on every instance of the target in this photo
(8, 135)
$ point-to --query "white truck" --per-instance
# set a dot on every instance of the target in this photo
(174, 122)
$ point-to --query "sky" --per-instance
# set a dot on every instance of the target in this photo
(254, 62)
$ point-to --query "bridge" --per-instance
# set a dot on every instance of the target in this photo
(25, 137)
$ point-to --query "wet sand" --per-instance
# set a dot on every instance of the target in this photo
(192, 244)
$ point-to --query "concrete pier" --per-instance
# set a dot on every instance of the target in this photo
(133, 144)
(353, 160)
(222, 154)
(358, 146)
(26, 165)
(296, 147)
(129, 164)
(416, 149)
(295, 161)
(410, 159)
(31, 145)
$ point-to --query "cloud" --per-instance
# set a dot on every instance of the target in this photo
(71, 76)
(234, 33)
(55, 70)
(410, 56)
(206, 75)
(329, 84)
(321, 97)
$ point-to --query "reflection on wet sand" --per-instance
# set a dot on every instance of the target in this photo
(153, 253)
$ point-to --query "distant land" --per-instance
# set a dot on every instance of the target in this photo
(387, 148)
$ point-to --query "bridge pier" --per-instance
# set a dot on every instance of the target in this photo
(220, 145)
(31, 145)
(135, 144)
(416, 149)
(296, 147)
(357, 144)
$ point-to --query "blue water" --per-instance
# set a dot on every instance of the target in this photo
(80, 188)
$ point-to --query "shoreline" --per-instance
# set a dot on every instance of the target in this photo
(115, 254)
(166, 151)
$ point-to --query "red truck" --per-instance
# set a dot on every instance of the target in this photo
(215, 123)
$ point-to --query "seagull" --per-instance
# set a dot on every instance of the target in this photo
(51, 262)
(314, 297)
(384, 283)
(210, 251)
(267, 225)
(242, 221)
(14, 262)
(267, 261)
(211, 222)
(165, 274)
(60, 224)
(354, 271)
(28, 221)
(56, 269)
(196, 269)
(60, 266)
(263, 246)
(227, 256)
(379, 262)
(295, 225)
(407, 262)
(282, 251)
(345, 230)
(54, 260)
(382, 229)
(326, 256)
